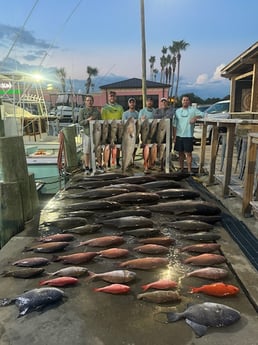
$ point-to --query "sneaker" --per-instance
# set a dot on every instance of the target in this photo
(100, 170)
(118, 165)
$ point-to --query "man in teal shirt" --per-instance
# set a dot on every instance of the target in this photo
(183, 129)
(147, 111)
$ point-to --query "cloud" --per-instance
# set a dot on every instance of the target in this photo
(202, 79)
(216, 75)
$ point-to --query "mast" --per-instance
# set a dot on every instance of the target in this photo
(143, 54)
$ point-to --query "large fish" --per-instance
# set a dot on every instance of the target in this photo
(216, 289)
(140, 212)
(186, 207)
(57, 238)
(163, 240)
(36, 261)
(95, 205)
(120, 131)
(190, 225)
(34, 299)
(103, 241)
(201, 248)
(115, 289)
(60, 281)
(117, 276)
(213, 273)
(135, 198)
(153, 131)
(48, 247)
(128, 143)
(75, 259)
(200, 217)
(105, 132)
(27, 272)
(146, 263)
(153, 185)
(113, 132)
(137, 179)
(201, 316)
(180, 193)
(80, 213)
(161, 131)
(161, 284)
(151, 249)
(96, 135)
(85, 229)
(66, 223)
(144, 131)
(129, 222)
(160, 296)
(71, 271)
(97, 193)
(131, 187)
(142, 232)
(113, 253)
(202, 236)
(205, 259)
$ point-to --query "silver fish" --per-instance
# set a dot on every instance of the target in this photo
(66, 223)
(153, 185)
(201, 237)
(160, 296)
(105, 132)
(34, 299)
(96, 135)
(128, 222)
(180, 193)
(186, 207)
(128, 143)
(201, 316)
(71, 271)
(161, 131)
(190, 225)
(144, 131)
(24, 272)
(95, 205)
(136, 198)
(142, 232)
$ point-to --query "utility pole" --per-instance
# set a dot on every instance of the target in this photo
(143, 54)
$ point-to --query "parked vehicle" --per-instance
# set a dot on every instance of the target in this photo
(218, 110)
(203, 107)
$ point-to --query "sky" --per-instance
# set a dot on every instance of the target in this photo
(74, 34)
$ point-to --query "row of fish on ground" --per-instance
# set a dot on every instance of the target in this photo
(114, 203)
(151, 135)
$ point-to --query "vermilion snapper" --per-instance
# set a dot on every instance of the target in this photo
(162, 284)
(115, 289)
(61, 281)
(216, 289)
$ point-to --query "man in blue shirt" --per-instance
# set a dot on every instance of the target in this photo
(183, 129)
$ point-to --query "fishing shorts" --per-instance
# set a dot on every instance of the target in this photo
(86, 144)
(183, 144)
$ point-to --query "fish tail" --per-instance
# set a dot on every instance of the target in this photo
(91, 275)
(172, 317)
(6, 301)
(144, 287)
(43, 282)
(26, 249)
(55, 258)
(192, 290)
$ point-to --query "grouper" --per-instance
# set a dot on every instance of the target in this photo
(34, 299)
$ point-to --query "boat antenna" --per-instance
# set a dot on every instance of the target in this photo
(61, 29)
(18, 34)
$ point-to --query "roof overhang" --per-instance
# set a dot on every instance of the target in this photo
(241, 64)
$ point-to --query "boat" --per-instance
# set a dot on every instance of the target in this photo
(24, 112)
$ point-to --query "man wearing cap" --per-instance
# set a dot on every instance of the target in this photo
(147, 111)
(164, 111)
(131, 112)
(112, 111)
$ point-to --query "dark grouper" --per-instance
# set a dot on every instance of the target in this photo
(201, 316)
(34, 299)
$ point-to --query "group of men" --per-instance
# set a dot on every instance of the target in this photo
(182, 120)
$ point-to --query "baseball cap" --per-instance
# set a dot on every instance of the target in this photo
(149, 98)
(131, 99)
(163, 99)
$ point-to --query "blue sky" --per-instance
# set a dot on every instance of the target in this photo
(104, 34)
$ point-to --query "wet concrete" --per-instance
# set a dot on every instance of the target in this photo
(87, 317)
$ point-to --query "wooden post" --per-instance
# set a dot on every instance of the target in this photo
(13, 167)
(214, 144)
(228, 158)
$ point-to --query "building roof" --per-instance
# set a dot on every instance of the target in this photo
(242, 63)
(133, 83)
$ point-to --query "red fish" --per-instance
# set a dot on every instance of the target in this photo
(163, 241)
(103, 241)
(115, 289)
(162, 284)
(147, 263)
(152, 249)
(61, 281)
(201, 248)
(205, 259)
(57, 238)
(76, 259)
(216, 289)
(112, 253)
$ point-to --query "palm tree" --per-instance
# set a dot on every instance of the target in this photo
(61, 75)
(173, 68)
(155, 72)
(179, 46)
(163, 62)
(152, 60)
(92, 72)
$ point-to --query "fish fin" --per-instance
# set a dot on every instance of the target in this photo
(144, 287)
(22, 312)
(6, 301)
(198, 329)
(55, 258)
(173, 317)
(192, 290)
(90, 276)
